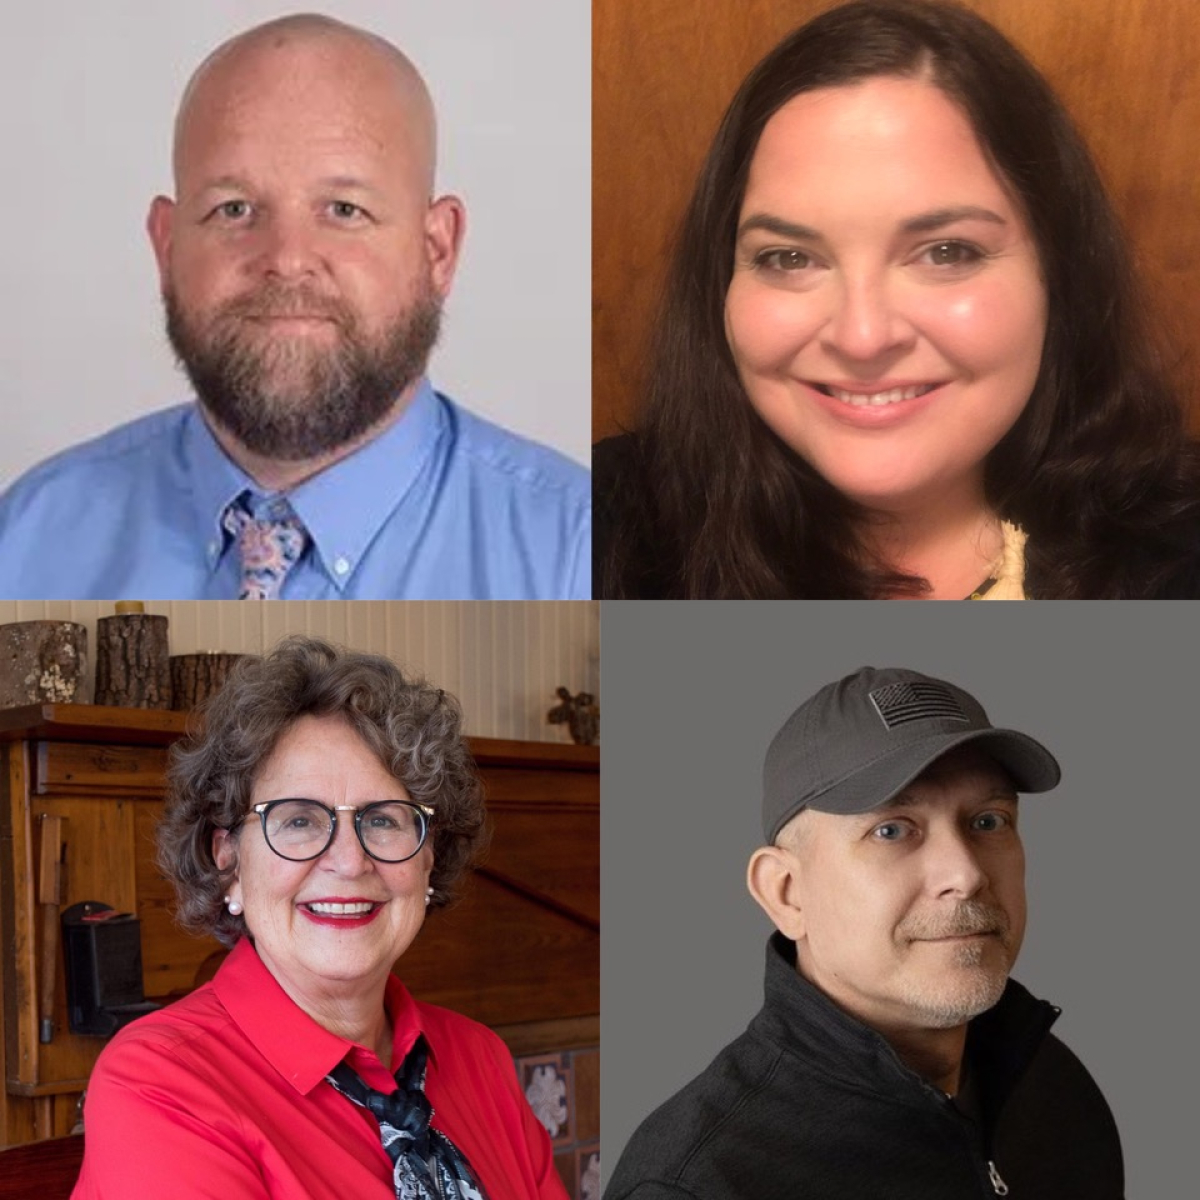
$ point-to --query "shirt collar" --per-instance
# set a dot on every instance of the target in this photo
(343, 507)
(300, 1049)
(215, 481)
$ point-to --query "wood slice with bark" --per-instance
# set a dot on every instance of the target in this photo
(196, 677)
(133, 666)
(42, 661)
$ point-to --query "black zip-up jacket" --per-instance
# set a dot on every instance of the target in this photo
(809, 1103)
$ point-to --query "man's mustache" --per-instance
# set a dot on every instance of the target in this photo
(272, 301)
(966, 918)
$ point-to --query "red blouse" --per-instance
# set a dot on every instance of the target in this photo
(223, 1095)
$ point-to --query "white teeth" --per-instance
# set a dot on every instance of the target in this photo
(877, 399)
(342, 910)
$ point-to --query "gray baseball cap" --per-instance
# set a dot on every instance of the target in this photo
(860, 741)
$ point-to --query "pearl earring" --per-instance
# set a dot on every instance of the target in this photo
(235, 907)
(428, 895)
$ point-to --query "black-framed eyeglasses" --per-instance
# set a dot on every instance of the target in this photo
(390, 831)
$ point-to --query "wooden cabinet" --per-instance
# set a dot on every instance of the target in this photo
(520, 952)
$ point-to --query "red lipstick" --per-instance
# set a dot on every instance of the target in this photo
(344, 912)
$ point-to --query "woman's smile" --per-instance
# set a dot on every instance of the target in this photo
(875, 395)
(343, 914)
(876, 409)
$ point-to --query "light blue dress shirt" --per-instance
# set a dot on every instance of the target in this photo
(443, 505)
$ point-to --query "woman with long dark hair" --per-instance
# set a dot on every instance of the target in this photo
(901, 351)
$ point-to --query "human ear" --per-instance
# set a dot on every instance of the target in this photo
(445, 227)
(773, 878)
(224, 850)
(159, 224)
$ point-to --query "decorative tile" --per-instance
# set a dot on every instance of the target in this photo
(587, 1172)
(546, 1081)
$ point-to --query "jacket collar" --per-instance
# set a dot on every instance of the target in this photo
(801, 1020)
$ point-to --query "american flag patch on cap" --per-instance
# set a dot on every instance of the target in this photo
(900, 703)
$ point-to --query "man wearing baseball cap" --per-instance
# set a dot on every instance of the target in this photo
(893, 1058)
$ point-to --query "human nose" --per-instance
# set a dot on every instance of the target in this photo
(954, 867)
(867, 319)
(345, 853)
(288, 247)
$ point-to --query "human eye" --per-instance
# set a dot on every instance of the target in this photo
(991, 822)
(346, 212)
(296, 819)
(892, 831)
(233, 212)
(297, 816)
(782, 261)
(951, 256)
(382, 820)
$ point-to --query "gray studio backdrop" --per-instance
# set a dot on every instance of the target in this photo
(87, 97)
(693, 693)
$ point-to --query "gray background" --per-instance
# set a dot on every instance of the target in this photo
(87, 96)
(693, 693)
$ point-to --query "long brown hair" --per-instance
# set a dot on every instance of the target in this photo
(1097, 469)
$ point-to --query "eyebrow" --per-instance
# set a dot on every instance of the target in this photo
(927, 222)
(337, 182)
(938, 218)
(344, 182)
(222, 182)
(908, 799)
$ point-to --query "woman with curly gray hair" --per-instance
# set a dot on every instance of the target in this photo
(328, 803)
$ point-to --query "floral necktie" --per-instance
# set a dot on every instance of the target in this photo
(426, 1165)
(268, 548)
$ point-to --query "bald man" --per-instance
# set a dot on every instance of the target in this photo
(303, 262)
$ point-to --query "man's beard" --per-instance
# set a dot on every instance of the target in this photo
(975, 980)
(290, 399)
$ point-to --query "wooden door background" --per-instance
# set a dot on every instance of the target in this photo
(664, 71)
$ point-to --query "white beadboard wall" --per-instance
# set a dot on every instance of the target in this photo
(502, 659)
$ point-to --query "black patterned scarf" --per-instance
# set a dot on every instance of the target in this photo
(426, 1164)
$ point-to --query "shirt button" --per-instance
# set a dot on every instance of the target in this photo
(341, 565)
